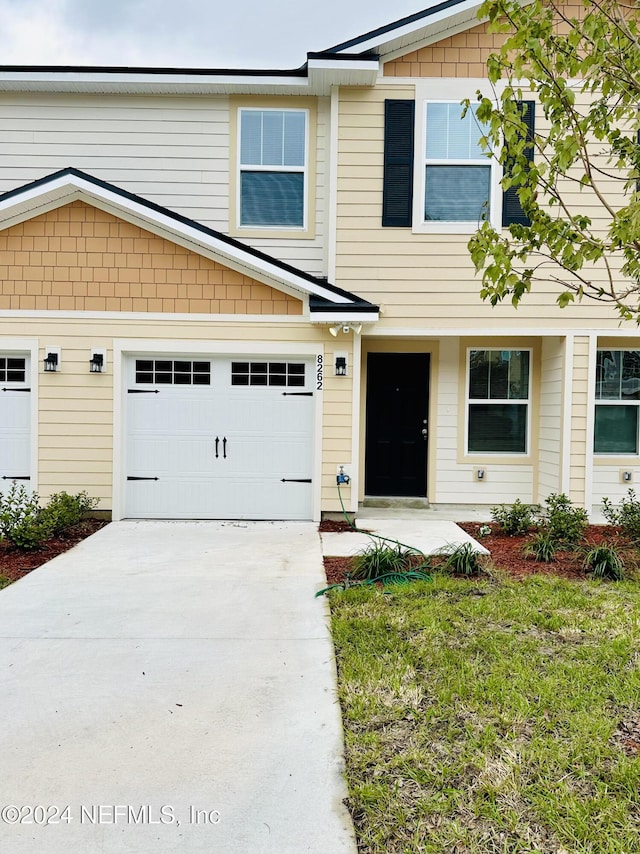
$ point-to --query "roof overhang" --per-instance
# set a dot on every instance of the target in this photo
(69, 185)
(315, 78)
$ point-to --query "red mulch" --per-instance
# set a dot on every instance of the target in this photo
(507, 553)
(16, 563)
(337, 526)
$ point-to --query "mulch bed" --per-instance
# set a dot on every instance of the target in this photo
(16, 563)
(507, 553)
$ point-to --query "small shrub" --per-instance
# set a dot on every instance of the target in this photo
(542, 547)
(64, 510)
(379, 559)
(603, 561)
(626, 515)
(514, 518)
(564, 522)
(22, 520)
(463, 560)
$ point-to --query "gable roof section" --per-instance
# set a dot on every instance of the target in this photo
(326, 302)
(437, 22)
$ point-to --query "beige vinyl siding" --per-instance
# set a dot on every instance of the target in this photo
(75, 442)
(551, 416)
(171, 150)
(336, 428)
(607, 482)
(425, 280)
(579, 419)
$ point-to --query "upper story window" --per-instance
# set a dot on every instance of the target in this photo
(618, 400)
(457, 172)
(273, 168)
(437, 179)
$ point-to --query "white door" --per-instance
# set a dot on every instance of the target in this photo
(15, 421)
(219, 438)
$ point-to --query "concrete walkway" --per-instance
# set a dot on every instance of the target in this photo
(170, 687)
(430, 536)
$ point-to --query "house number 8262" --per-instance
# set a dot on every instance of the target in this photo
(319, 363)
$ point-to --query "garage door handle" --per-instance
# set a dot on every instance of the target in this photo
(217, 443)
(224, 448)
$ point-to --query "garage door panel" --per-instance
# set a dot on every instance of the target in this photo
(170, 413)
(247, 457)
(15, 425)
(263, 437)
(150, 456)
(266, 498)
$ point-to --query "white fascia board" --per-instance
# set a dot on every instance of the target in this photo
(363, 65)
(141, 83)
(344, 316)
(76, 187)
(325, 74)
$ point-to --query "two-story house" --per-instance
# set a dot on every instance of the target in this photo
(217, 287)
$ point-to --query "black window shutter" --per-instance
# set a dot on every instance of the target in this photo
(511, 208)
(397, 187)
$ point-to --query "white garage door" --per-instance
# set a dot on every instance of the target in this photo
(219, 438)
(15, 419)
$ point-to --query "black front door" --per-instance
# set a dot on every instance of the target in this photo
(396, 430)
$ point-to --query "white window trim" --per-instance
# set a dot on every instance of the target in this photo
(522, 401)
(607, 401)
(240, 167)
(449, 91)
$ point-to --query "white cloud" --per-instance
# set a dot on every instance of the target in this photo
(182, 32)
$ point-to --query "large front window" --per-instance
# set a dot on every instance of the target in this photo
(498, 401)
(273, 155)
(457, 185)
(618, 398)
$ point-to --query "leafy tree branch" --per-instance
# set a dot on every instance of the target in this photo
(580, 190)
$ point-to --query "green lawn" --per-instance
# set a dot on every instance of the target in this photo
(492, 716)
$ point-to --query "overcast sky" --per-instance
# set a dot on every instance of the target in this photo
(199, 33)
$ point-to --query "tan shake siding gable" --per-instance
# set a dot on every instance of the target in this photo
(462, 55)
(80, 258)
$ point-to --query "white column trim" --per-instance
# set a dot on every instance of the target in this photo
(118, 462)
(319, 433)
(565, 476)
(356, 374)
(591, 417)
(332, 202)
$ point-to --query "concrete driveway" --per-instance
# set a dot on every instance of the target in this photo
(170, 687)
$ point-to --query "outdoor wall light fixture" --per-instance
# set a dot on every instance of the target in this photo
(98, 361)
(341, 364)
(346, 328)
(51, 359)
